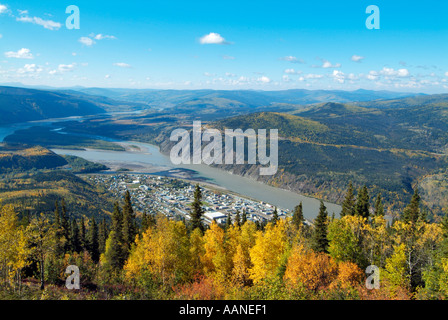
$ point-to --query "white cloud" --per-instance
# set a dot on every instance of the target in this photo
(292, 71)
(212, 38)
(3, 8)
(66, 67)
(228, 57)
(122, 65)
(403, 72)
(352, 76)
(47, 24)
(446, 74)
(313, 76)
(327, 64)
(62, 68)
(1, 36)
(22, 12)
(373, 75)
(86, 41)
(208, 74)
(107, 76)
(338, 76)
(292, 59)
(102, 37)
(390, 72)
(357, 58)
(29, 68)
(23, 53)
(264, 79)
(90, 40)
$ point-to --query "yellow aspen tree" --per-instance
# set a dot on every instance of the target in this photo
(196, 251)
(268, 252)
(240, 274)
(162, 250)
(215, 259)
(396, 270)
(14, 246)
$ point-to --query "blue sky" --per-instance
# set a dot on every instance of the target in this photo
(262, 45)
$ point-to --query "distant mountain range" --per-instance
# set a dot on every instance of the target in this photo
(22, 104)
(19, 104)
(251, 98)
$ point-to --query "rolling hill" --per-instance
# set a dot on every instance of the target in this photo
(252, 98)
(21, 104)
(392, 149)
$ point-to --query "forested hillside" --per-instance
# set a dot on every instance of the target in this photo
(392, 149)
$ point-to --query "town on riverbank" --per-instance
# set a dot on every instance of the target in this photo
(173, 197)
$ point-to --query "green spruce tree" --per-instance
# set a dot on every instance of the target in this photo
(379, 208)
(244, 218)
(362, 206)
(320, 234)
(93, 241)
(75, 245)
(129, 225)
(348, 206)
(238, 218)
(275, 217)
(198, 211)
(114, 253)
(82, 234)
(412, 212)
(102, 236)
(297, 216)
(228, 221)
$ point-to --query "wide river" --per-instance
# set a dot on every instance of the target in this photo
(148, 156)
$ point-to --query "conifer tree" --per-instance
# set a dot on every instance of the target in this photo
(424, 215)
(114, 253)
(198, 211)
(129, 228)
(444, 225)
(297, 217)
(57, 217)
(320, 234)
(82, 234)
(348, 206)
(275, 217)
(228, 221)
(244, 218)
(412, 212)
(379, 208)
(238, 218)
(117, 220)
(148, 220)
(92, 238)
(102, 235)
(362, 206)
(59, 247)
(64, 221)
(75, 244)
